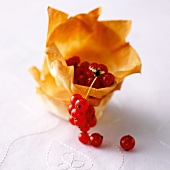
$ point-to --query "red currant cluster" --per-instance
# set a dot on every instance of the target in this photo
(85, 73)
(82, 114)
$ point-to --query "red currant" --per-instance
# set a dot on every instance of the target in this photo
(80, 122)
(85, 128)
(74, 61)
(79, 71)
(84, 65)
(127, 142)
(90, 113)
(70, 108)
(89, 73)
(72, 120)
(74, 98)
(81, 80)
(91, 110)
(82, 104)
(94, 66)
(107, 80)
(75, 112)
(84, 138)
(93, 122)
(96, 139)
(102, 67)
(96, 83)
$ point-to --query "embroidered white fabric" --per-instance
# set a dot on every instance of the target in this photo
(33, 139)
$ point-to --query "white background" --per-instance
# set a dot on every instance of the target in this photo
(141, 108)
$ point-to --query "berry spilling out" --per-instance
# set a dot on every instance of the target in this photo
(84, 138)
(85, 73)
(127, 142)
(82, 115)
(81, 104)
(96, 139)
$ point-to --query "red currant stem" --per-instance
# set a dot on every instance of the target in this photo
(90, 88)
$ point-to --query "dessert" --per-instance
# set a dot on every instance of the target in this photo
(76, 48)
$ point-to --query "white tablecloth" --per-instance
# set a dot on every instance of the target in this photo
(33, 139)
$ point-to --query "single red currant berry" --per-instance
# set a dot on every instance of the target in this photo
(84, 65)
(89, 73)
(74, 61)
(90, 113)
(75, 112)
(85, 128)
(81, 80)
(91, 70)
(90, 110)
(94, 66)
(96, 83)
(81, 115)
(78, 71)
(93, 122)
(80, 122)
(102, 67)
(96, 139)
(89, 81)
(82, 104)
(70, 108)
(107, 80)
(127, 142)
(84, 138)
(74, 98)
(72, 120)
